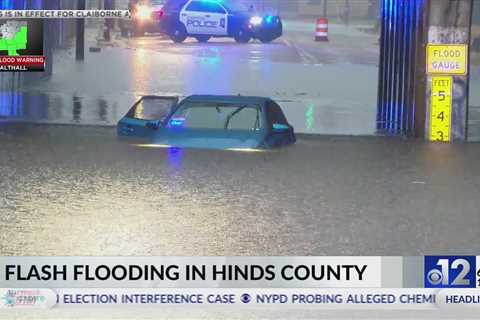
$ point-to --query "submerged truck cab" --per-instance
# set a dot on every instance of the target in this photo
(208, 121)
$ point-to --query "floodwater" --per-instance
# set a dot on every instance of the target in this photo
(322, 87)
(75, 189)
(78, 190)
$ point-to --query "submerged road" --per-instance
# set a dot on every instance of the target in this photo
(79, 191)
(323, 87)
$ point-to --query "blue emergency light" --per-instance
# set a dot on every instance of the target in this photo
(177, 122)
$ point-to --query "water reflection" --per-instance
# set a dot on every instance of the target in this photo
(102, 109)
(77, 109)
(175, 157)
(57, 108)
(310, 117)
(11, 104)
(210, 56)
(139, 70)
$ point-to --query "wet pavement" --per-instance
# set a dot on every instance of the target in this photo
(323, 87)
(76, 190)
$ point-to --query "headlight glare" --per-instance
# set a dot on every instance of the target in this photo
(256, 20)
(143, 12)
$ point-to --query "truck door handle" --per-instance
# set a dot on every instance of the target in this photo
(184, 14)
(208, 16)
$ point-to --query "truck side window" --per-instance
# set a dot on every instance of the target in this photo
(275, 114)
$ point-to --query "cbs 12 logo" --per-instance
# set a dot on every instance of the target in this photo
(450, 271)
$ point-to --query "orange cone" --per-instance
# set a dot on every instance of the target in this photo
(321, 33)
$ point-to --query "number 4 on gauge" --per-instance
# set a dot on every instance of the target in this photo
(441, 116)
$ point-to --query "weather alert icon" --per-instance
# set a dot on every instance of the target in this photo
(13, 37)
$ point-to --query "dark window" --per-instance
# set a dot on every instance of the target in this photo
(275, 114)
(214, 7)
(173, 5)
(218, 116)
(151, 109)
(235, 6)
(205, 6)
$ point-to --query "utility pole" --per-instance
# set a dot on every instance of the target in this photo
(109, 23)
(80, 41)
(346, 12)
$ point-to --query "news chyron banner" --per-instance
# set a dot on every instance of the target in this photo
(21, 45)
(341, 283)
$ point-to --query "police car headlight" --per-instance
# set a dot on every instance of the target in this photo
(144, 12)
(255, 21)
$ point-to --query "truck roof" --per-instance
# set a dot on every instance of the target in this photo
(227, 99)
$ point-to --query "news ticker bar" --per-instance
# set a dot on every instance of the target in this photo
(241, 272)
(65, 14)
(292, 298)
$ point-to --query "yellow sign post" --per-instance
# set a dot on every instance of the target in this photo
(447, 59)
(441, 109)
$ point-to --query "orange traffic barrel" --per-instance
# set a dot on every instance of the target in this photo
(321, 33)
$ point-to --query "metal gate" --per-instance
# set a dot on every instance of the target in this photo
(400, 51)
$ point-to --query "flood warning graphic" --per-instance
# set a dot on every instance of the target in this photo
(13, 37)
(21, 45)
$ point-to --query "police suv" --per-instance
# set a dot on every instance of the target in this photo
(203, 19)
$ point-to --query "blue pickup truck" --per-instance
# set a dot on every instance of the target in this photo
(208, 121)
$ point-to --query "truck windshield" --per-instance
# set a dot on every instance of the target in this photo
(217, 116)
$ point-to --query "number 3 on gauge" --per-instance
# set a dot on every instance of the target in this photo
(440, 136)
